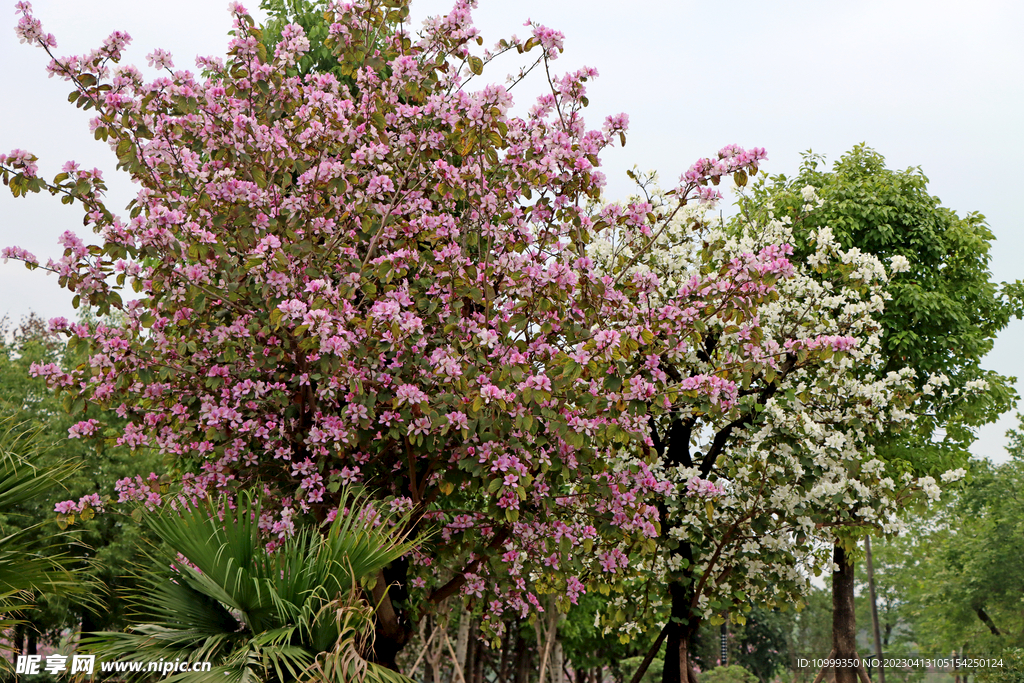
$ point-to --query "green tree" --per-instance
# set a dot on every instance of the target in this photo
(941, 318)
(970, 579)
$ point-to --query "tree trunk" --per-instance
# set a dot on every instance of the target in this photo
(523, 660)
(557, 662)
(435, 653)
(506, 652)
(874, 611)
(462, 640)
(547, 635)
(844, 626)
(472, 650)
(392, 629)
(479, 659)
(680, 629)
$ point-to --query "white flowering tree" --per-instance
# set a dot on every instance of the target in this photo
(760, 493)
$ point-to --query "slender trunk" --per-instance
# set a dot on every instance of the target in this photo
(19, 639)
(506, 647)
(874, 611)
(462, 640)
(680, 629)
(546, 639)
(557, 662)
(435, 653)
(474, 651)
(479, 656)
(523, 660)
(844, 626)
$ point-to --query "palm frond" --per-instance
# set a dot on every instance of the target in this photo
(256, 614)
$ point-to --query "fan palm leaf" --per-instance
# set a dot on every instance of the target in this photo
(215, 593)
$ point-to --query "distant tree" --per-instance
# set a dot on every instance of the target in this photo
(968, 575)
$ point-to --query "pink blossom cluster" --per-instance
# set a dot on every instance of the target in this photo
(18, 254)
(70, 507)
(702, 488)
(20, 160)
(146, 491)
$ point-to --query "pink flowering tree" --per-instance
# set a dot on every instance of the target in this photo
(384, 282)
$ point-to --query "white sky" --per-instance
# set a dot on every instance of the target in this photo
(935, 84)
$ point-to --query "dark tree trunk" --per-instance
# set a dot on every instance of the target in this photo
(844, 626)
(681, 627)
(89, 622)
(523, 661)
(506, 652)
(471, 652)
(479, 656)
(392, 630)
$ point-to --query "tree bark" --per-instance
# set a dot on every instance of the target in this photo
(557, 662)
(462, 639)
(523, 657)
(479, 656)
(472, 651)
(392, 630)
(506, 647)
(844, 626)
(680, 628)
(546, 636)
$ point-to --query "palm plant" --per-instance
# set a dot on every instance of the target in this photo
(26, 565)
(295, 613)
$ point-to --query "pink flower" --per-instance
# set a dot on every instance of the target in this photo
(160, 59)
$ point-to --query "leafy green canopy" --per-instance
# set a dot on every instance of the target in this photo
(944, 312)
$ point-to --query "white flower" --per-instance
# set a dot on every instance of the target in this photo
(954, 475)
(899, 264)
(976, 385)
(930, 488)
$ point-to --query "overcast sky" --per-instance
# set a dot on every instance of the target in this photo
(933, 84)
